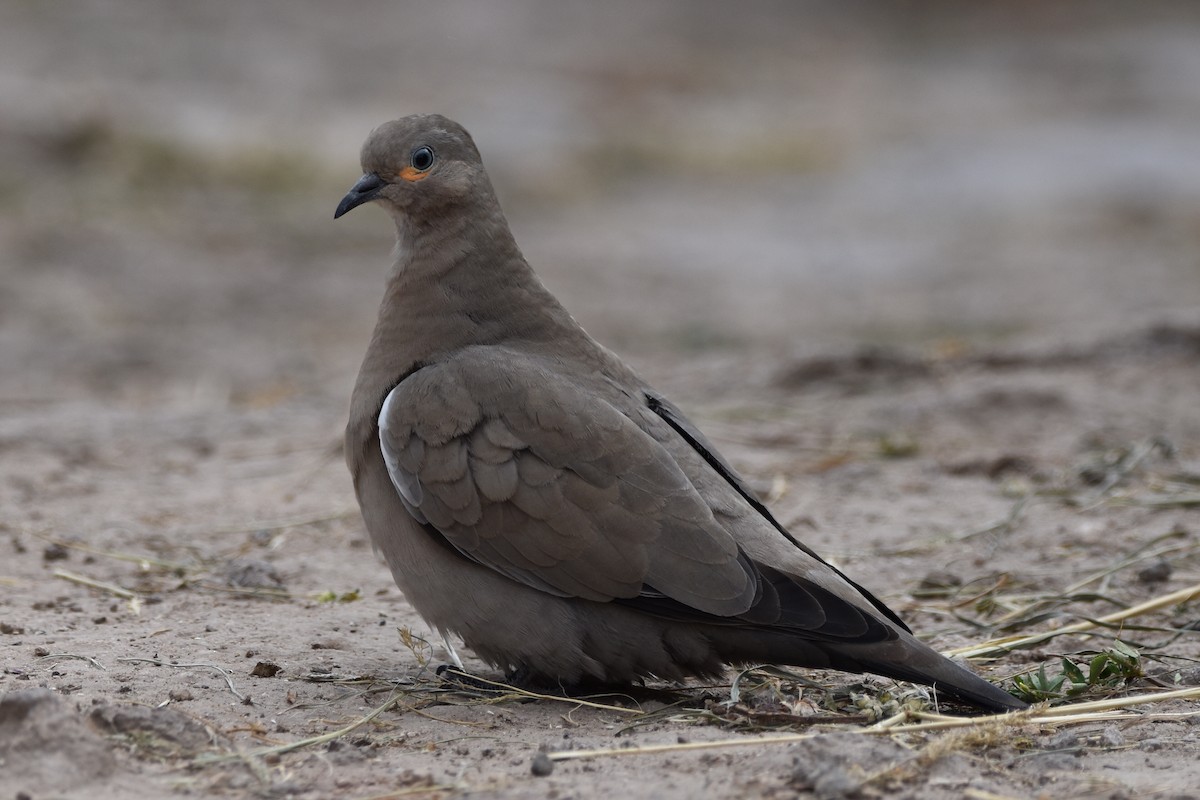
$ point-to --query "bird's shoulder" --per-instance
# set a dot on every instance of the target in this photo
(450, 396)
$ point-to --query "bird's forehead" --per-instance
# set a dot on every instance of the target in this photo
(393, 142)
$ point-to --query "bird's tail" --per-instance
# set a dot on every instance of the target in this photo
(902, 658)
(918, 663)
(922, 665)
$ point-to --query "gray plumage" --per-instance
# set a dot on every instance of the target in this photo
(534, 496)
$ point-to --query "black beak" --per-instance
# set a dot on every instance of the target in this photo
(364, 191)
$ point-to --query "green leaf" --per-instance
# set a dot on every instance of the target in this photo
(1072, 671)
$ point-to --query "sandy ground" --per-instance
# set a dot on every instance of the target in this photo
(931, 280)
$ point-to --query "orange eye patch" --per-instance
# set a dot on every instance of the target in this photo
(413, 174)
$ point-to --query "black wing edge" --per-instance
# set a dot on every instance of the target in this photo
(782, 603)
(690, 434)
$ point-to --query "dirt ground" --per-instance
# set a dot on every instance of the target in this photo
(929, 277)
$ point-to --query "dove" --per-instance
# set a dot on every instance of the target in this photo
(535, 497)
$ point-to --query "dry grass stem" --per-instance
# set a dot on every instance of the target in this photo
(224, 673)
(313, 740)
(111, 588)
(514, 690)
(1144, 553)
(74, 657)
(1004, 644)
(258, 591)
(749, 741)
(981, 794)
(1166, 501)
(413, 790)
(1123, 470)
(1131, 700)
(1094, 711)
(130, 557)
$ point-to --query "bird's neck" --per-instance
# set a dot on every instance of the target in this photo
(461, 282)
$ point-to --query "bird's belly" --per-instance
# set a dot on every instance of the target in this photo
(516, 627)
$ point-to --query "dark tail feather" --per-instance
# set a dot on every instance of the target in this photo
(902, 658)
(912, 661)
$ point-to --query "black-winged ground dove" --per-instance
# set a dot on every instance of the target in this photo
(536, 497)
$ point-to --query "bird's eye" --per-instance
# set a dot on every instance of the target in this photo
(422, 158)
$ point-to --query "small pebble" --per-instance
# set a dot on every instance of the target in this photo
(267, 669)
(55, 552)
(1156, 572)
(1111, 736)
(542, 765)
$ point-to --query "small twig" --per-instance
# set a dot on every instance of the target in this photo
(1064, 715)
(1123, 469)
(111, 588)
(257, 591)
(330, 702)
(983, 794)
(569, 755)
(130, 557)
(554, 698)
(892, 721)
(1006, 643)
(224, 673)
(1003, 580)
(1005, 525)
(75, 657)
(413, 790)
(313, 740)
(1165, 501)
(1089, 706)
(1051, 607)
(463, 722)
(1143, 553)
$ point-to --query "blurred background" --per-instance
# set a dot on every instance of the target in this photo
(689, 177)
(749, 201)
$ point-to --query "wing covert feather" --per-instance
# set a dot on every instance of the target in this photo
(550, 482)
(555, 487)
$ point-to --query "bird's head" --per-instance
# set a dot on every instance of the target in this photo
(416, 164)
